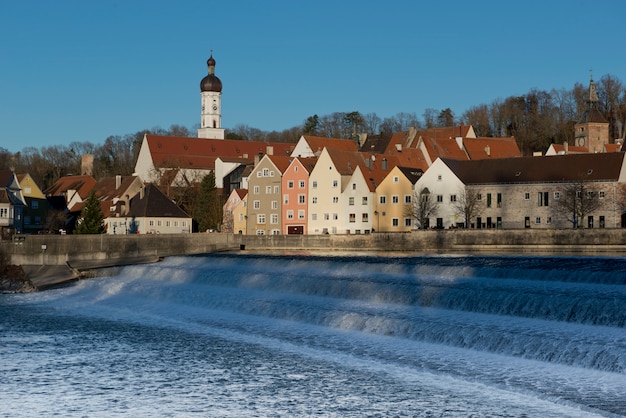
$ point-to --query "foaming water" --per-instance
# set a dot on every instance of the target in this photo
(241, 335)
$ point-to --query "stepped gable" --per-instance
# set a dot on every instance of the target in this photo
(549, 169)
(201, 153)
(152, 203)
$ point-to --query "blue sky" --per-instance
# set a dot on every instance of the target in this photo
(82, 71)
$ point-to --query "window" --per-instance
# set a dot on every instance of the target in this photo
(353, 186)
(266, 172)
(351, 201)
(286, 199)
(289, 214)
(538, 220)
(314, 184)
(549, 220)
(453, 198)
(479, 196)
(260, 232)
(439, 198)
(301, 199)
(259, 174)
(335, 199)
(274, 218)
(335, 183)
(27, 220)
(601, 195)
(290, 184)
(488, 200)
(590, 194)
(4, 212)
(396, 179)
(382, 200)
(301, 184)
(557, 195)
(158, 223)
(314, 200)
(256, 190)
(499, 200)
(364, 217)
(364, 200)
(314, 216)
(274, 204)
(167, 223)
(407, 199)
(408, 222)
(542, 199)
(352, 217)
(256, 204)
(395, 199)
(35, 204)
(335, 216)
(276, 189)
(268, 189)
(326, 217)
(527, 196)
(300, 214)
(260, 218)
(438, 177)
(602, 222)
(395, 222)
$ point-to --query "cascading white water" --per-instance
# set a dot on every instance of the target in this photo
(542, 334)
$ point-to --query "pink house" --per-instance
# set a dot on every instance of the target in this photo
(295, 184)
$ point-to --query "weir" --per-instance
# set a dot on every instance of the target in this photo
(75, 253)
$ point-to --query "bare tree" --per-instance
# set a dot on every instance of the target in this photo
(468, 205)
(577, 201)
(422, 208)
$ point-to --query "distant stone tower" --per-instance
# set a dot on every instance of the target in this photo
(211, 95)
(592, 130)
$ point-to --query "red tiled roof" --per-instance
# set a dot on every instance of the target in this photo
(484, 147)
(280, 161)
(318, 143)
(82, 184)
(198, 153)
(345, 161)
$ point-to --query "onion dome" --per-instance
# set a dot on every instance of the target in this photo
(211, 82)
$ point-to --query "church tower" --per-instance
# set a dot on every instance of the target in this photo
(211, 96)
(592, 130)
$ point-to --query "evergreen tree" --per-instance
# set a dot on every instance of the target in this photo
(208, 205)
(91, 220)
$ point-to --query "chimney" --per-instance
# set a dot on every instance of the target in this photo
(269, 150)
(86, 164)
(488, 151)
(384, 164)
(362, 139)
(118, 182)
(399, 147)
(142, 193)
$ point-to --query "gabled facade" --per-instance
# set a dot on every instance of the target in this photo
(357, 204)
(233, 201)
(36, 209)
(395, 196)
(295, 187)
(327, 182)
(12, 204)
(592, 130)
(240, 215)
(264, 196)
(151, 212)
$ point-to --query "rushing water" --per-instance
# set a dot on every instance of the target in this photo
(346, 336)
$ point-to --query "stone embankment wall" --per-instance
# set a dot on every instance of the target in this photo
(90, 251)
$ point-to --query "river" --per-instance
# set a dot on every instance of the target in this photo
(244, 335)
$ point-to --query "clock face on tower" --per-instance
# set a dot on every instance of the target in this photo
(214, 107)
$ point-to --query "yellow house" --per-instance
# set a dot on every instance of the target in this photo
(395, 196)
